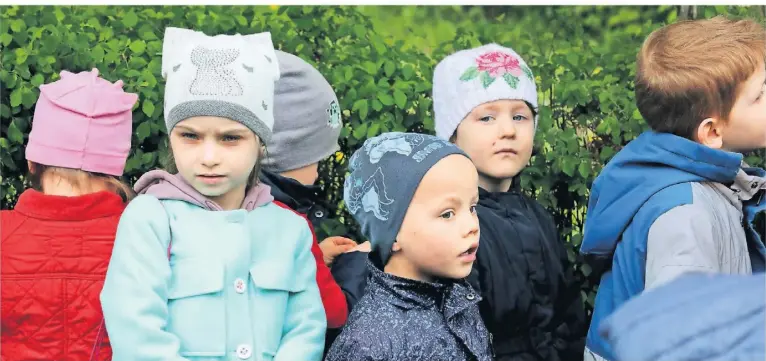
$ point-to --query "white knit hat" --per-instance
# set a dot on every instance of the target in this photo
(469, 78)
(229, 76)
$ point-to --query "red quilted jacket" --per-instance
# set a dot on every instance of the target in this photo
(54, 255)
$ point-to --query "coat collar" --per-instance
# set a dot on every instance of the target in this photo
(450, 297)
(79, 208)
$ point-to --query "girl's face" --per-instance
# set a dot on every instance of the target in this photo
(498, 136)
(216, 156)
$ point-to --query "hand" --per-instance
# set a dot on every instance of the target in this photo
(363, 247)
(333, 246)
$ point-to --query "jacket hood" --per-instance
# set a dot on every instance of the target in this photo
(647, 165)
(164, 185)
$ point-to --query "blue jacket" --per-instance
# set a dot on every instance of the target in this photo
(652, 175)
(239, 285)
(695, 317)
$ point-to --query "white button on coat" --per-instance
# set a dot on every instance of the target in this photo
(240, 286)
(244, 352)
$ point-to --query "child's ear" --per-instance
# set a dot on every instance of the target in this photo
(31, 167)
(710, 133)
(396, 247)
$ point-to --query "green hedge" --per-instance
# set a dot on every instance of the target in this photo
(380, 62)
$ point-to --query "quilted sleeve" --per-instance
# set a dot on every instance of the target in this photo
(135, 294)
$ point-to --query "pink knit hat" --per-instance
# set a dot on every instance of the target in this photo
(82, 122)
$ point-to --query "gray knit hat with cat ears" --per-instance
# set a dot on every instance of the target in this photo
(228, 76)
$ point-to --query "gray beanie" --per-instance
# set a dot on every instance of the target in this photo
(228, 76)
(385, 173)
(307, 117)
(472, 77)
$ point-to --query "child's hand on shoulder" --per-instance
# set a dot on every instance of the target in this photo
(363, 247)
(333, 246)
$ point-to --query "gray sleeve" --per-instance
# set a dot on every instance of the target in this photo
(680, 241)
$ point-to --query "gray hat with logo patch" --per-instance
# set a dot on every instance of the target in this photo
(307, 117)
(385, 173)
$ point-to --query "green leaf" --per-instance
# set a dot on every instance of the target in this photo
(14, 134)
(512, 81)
(59, 14)
(16, 97)
(377, 105)
(18, 25)
(400, 99)
(606, 153)
(584, 169)
(386, 99)
(360, 31)
(130, 19)
(407, 72)
(148, 108)
(147, 158)
(5, 39)
(147, 33)
(133, 162)
(568, 166)
(373, 130)
(370, 68)
(486, 80)
(37, 79)
(97, 53)
(348, 73)
(138, 46)
(379, 45)
(573, 59)
(471, 73)
(28, 98)
(360, 131)
(389, 68)
(143, 131)
(21, 55)
(362, 107)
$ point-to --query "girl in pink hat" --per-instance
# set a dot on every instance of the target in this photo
(57, 242)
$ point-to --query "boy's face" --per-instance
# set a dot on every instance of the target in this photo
(440, 232)
(746, 127)
(215, 156)
(498, 137)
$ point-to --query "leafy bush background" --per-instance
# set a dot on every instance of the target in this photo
(379, 60)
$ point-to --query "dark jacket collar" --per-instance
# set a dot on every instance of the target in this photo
(447, 296)
(290, 192)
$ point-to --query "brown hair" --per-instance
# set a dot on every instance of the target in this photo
(169, 163)
(79, 179)
(692, 70)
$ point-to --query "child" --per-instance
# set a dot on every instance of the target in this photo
(307, 124)
(486, 103)
(671, 201)
(695, 317)
(57, 241)
(414, 197)
(205, 265)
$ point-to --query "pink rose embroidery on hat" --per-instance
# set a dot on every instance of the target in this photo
(490, 66)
